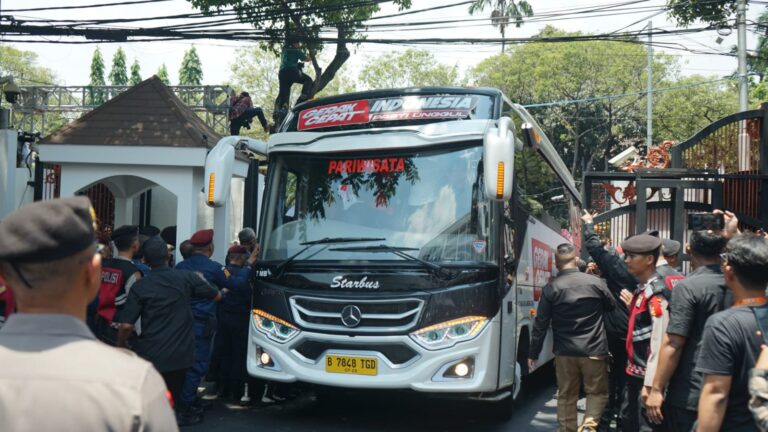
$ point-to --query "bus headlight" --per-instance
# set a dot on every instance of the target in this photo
(447, 334)
(273, 327)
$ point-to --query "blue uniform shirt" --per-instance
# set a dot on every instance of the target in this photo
(214, 273)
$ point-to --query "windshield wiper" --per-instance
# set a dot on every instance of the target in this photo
(437, 270)
(327, 240)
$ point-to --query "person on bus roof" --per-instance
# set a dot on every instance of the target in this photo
(292, 59)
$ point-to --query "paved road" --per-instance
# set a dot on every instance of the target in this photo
(387, 412)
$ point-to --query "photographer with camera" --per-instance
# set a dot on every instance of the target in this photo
(693, 300)
(731, 341)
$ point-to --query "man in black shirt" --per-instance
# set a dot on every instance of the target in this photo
(162, 301)
(574, 303)
(617, 277)
(693, 300)
(730, 344)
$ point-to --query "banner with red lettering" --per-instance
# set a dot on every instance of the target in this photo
(442, 107)
(542, 266)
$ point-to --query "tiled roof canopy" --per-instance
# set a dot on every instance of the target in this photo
(147, 114)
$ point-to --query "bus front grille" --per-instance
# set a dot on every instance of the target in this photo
(373, 316)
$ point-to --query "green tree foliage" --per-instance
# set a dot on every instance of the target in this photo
(758, 63)
(679, 114)
(96, 96)
(686, 12)
(191, 71)
(118, 75)
(411, 68)
(306, 19)
(22, 65)
(589, 132)
(135, 73)
(503, 12)
(162, 73)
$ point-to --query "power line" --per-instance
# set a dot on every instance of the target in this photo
(91, 6)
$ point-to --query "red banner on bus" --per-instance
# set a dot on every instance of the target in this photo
(340, 114)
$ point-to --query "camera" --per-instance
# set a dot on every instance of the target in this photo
(624, 156)
(705, 221)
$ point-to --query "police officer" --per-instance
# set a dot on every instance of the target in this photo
(56, 375)
(230, 348)
(118, 274)
(648, 319)
(667, 264)
(204, 311)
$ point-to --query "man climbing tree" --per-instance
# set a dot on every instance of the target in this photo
(292, 60)
(309, 17)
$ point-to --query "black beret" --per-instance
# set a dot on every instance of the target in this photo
(48, 230)
(670, 247)
(641, 243)
(125, 230)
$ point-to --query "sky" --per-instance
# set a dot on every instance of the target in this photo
(71, 63)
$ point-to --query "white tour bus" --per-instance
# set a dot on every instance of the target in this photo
(405, 239)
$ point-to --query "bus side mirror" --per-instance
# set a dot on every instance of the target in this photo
(530, 136)
(499, 160)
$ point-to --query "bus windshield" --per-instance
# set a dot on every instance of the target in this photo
(430, 202)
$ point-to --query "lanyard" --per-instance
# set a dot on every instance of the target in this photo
(754, 301)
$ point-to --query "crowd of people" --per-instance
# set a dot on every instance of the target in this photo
(650, 348)
(653, 349)
(188, 320)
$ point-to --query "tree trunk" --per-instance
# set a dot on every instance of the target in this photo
(342, 55)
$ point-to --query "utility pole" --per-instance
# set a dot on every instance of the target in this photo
(741, 23)
(649, 126)
(744, 141)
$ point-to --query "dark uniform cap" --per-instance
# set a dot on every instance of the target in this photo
(155, 250)
(237, 249)
(670, 247)
(125, 230)
(641, 244)
(48, 230)
(202, 237)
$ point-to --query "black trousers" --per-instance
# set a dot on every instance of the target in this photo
(617, 381)
(245, 117)
(288, 77)
(679, 419)
(174, 381)
(633, 410)
(230, 351)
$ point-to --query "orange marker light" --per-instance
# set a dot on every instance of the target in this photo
(211, 185)
(500, 181)
(533, 313)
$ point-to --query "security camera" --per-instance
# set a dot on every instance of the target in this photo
(11, 92)
(624, 156)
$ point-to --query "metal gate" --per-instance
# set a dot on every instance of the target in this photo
(723, 166)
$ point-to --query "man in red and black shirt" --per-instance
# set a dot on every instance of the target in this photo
(118, 275)
(648, 318)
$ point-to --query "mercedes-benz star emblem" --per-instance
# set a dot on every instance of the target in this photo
(351, 315)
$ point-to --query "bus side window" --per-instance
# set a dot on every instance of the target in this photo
(542, 193)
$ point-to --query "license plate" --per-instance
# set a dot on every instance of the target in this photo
(351, 365)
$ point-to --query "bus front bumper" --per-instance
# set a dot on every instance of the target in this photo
(426, 371)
